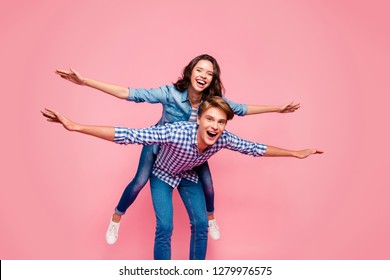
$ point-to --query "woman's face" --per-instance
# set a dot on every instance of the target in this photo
(202, 75)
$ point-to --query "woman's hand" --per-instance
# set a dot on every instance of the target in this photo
(289, 108)
(71, 76)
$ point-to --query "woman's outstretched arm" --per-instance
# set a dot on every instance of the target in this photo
(112, 89)
(260, 109)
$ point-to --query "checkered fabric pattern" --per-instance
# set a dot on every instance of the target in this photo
(179, 153)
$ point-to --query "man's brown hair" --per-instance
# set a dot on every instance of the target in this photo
(216, 102)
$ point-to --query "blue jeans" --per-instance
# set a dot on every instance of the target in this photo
(193, 198)
(144, 171)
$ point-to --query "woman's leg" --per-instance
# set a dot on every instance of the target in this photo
(204, 174)
(131, 192)
(163, 209)
(192, 195)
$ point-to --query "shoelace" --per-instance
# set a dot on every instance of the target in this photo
(214, 226)
(113, 230)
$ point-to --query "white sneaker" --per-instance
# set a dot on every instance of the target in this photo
(214, 230)
(112, 232)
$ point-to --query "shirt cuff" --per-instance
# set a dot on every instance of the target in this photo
(120, 136)
(130, 97)
(244, 109)
(262, 149)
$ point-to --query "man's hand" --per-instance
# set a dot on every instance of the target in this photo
(53, 116)
(305, 153)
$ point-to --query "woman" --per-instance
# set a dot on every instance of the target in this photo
(200, 80)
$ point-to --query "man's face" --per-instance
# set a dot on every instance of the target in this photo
(202, 75)
(211, 125)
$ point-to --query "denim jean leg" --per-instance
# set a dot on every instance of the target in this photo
(132, 190)
(192, 195)
(204, 174)
(162, 203)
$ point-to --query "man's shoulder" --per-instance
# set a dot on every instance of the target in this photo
(225, 137)
(181, 130)
(226, 134)
(182, 125)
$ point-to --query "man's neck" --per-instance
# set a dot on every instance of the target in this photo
(201, 147)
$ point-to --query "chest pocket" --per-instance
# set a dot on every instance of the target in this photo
(175, 114)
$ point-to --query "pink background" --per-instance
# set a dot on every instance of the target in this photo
(59, 189)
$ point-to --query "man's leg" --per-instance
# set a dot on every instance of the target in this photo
(162, 203)
(193, 197)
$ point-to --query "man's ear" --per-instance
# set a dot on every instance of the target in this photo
(197, 120)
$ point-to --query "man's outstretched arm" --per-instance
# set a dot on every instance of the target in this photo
(257, 149)
(103, 132)
(278, 152)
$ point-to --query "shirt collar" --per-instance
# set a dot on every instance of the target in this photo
(194, 141)
(184, 96)
(194, 134)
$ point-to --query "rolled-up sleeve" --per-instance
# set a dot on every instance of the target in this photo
(243, 146)
(238, 109)
(153, 95)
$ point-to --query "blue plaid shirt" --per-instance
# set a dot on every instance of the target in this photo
(179, 153)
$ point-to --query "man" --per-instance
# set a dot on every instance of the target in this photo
(184, 145)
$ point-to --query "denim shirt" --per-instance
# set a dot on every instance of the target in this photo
(176, 105)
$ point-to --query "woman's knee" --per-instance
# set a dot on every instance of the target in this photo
(208, 189)
(139, 182)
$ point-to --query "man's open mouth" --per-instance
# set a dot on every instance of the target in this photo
(211, 134)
